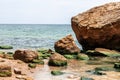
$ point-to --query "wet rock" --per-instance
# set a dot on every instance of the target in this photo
(17, 71)
(56, 72)
(104, 69)
(66, 45)
(57, 59)
(117, 65)
(36, 61)
(44, 53)
(103, 52)
(86, 78)
(68, 56)
(25, 55)
(6, 47)
(81, 56)
(32, 65)
(98, 27)
(5, 70)
(99, 73)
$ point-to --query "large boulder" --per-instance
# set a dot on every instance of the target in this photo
(98, 27)
(25, 55)
(66, 45)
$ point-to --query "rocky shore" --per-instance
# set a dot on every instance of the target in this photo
(97, 30)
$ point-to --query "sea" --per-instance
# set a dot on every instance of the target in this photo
(27, 36)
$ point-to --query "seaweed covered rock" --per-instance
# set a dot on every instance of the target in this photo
(57, 59)
(5, 70)
(56, 72)
(103, 52)
(66, 45)
(25, 55)
(82, 56)
(6, 47)
(98, 27)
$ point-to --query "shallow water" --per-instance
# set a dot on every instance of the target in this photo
(33, 35)
(77, 69)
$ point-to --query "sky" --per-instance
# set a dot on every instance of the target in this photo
(44, 11)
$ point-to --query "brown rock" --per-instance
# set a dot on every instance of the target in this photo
(99, 27)
(66, 46)
(17, 71)
(57, 59)
(25, 55)
(5, 70)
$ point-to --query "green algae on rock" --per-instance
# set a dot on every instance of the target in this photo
(103, 52)
(57, 59)
(81, 56)
(5, 70)
(117, 65)
(6, 47)
(56, 72)
(36, 61)
(32, 65)
(68, 56)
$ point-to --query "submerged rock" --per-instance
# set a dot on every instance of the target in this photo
(25, 55)
(5, 70)
(98, 27)
(66, 45)
(57, 59)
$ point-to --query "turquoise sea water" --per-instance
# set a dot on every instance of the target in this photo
(33, 35)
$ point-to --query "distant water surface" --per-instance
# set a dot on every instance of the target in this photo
(33, 35)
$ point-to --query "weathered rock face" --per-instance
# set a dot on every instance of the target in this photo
(66, 46)
(25, 55)
(99, 27)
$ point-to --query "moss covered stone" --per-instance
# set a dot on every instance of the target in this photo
(38, 61)
(117, 65)
(6, 47)
(103, 52)
(82, 57)
(5, 70)
(32, 65)
(56, 72)
(68, 56)
(57, 59)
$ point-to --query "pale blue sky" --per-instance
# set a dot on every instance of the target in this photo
(44, 11)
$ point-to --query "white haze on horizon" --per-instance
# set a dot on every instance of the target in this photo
(44, 11)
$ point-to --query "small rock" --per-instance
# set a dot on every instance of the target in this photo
(5, 70)
(31, 65)
(117, 65)
(56, 72)
(82, 57)
(17, 71)
(57, 59)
